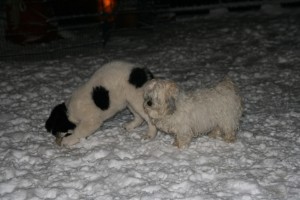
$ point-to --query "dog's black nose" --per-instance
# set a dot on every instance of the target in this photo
(149, 103)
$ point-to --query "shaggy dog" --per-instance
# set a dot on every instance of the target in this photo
(215, 111)
(112, 88)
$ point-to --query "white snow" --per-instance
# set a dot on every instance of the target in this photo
(260, 52)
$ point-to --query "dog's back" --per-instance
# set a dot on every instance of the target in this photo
(108, 88)
(221, 104)
(227, 85)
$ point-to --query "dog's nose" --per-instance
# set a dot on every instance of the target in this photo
(149, 103)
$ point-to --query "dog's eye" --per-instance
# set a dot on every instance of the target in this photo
(149, 103)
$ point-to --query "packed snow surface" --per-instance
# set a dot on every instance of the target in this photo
(260, 52)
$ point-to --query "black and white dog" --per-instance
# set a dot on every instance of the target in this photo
(112, 88)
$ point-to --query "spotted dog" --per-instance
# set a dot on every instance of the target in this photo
(112, 88)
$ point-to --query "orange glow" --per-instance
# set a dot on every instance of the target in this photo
(106, 6)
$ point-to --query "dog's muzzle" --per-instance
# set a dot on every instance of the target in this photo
(149, 103)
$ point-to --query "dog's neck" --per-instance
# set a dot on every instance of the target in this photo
(167, 123)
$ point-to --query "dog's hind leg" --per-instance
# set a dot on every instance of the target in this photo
(82, 130)
(229, 136)
(215, 133)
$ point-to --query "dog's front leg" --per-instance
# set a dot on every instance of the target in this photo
(137, 120)
(139, 113)
(152, 131)
(182, 140)
(82, 130)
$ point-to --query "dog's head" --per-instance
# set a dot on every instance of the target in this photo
(58, 121)
(160, 98)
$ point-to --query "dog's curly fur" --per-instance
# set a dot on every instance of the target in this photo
(215, 111)
(113, 87)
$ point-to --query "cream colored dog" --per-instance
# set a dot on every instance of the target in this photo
(215, 111)
(112, 88)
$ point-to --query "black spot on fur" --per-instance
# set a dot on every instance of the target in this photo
(58, 121)
(100, 96)
(139, 76)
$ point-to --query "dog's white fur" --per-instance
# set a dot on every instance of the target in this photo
(215, 111)
(87, 117)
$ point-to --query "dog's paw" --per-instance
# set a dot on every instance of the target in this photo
(180, 145)
(151, 134)
(69, 141)
(128, 126)
(148, 136)
(230, 138)
(215, 133)
(133, 124)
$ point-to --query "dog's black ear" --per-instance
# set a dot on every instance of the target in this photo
(58, 121)
(139, 76)
(171, 105)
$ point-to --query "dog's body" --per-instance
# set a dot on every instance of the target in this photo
(112, 88)
(215, 111)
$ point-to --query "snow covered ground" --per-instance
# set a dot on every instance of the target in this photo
(260, 52)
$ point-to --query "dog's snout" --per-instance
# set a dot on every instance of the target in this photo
(149, 103)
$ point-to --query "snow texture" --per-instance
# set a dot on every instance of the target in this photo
(260, 52)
